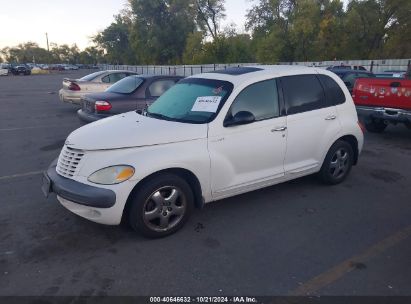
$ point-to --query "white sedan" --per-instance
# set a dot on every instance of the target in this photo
(74, 89)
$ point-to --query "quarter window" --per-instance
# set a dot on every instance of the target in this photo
(302, 93)
(333, 93)
(106, 79)
(260, 99)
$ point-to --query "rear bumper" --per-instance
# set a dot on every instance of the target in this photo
(385, 114)
(79, 193)
(74, 98)
(90, 117)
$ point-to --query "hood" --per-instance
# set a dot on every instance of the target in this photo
(133, 130)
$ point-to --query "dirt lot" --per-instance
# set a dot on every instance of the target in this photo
(296, 238)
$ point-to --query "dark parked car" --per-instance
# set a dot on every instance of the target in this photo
(20, 69)
(346, 67)
(350, 76)
(133, 93)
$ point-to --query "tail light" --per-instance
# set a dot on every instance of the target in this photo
(102, 106)
(74, 87)
(362, 127)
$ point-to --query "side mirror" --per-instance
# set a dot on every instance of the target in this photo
(241, 118)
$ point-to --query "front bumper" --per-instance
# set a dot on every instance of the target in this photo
(76, 192)
(385, 114)
(90, 117)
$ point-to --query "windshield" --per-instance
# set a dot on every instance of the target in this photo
(192, 100)
(91, 76)
(126, 85)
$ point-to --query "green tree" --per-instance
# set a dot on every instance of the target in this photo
(25, 52)
(160, 29)
(194, 49)
(269, 21)
(115, 41)
(209, 15)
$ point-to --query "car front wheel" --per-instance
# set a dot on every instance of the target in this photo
(337, 164)
(161, 206)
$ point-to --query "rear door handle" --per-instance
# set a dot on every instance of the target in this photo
(279, 129)
(331, 117)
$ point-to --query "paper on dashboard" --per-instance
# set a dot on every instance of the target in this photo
(206, 104)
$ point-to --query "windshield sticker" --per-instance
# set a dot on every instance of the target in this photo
(206, 104)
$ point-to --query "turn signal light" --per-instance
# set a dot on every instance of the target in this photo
(102, 106)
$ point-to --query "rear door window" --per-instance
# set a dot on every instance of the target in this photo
(302, 93)
(113, 78)
(159, 87)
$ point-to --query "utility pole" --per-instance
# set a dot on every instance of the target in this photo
(47, 38)
(48, 48)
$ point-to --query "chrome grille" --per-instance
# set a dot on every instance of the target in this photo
(69, 162)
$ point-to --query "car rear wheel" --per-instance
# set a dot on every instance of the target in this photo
(375, 126)
(161, 206)
(337, 164)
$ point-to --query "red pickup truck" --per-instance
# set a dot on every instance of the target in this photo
(381, 101)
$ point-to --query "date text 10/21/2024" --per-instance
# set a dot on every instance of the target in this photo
(203, 300)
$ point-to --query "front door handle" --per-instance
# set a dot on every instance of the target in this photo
(279, 129)
(331, 117)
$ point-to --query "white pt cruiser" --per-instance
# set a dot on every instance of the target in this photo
(209, 137)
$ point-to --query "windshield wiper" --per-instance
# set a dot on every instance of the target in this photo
(159, 116)
(164, 117)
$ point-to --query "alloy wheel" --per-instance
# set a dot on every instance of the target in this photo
(164, 208)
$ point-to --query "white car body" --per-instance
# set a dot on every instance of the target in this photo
(4, 69)
(276, 150)
(96, 84)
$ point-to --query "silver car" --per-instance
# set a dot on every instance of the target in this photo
(74, 89)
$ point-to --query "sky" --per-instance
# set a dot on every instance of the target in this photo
(73, 21)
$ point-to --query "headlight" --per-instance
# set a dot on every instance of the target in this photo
(112, 175)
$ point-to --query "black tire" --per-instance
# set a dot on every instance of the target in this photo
(375, 126)
(337, 164)
(161, 209)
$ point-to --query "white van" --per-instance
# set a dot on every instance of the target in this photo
(209, 137)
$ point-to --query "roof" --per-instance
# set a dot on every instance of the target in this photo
(117, 71)
(252, 73)
(238, 70)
